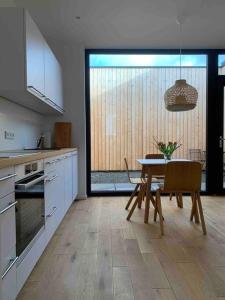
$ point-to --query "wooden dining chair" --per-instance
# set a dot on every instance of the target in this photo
(142, 180)
(154, 156)
(147, 189)
(179, 197)
(135, 181)
(182, 177)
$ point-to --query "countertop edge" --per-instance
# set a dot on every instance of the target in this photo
(13, 161)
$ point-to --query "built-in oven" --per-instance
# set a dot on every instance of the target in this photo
(30, 207)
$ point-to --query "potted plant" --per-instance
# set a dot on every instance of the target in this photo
(167, 149)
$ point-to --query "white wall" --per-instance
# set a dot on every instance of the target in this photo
(25, 124)
(72, 61)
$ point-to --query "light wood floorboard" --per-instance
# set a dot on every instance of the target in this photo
(96, 254)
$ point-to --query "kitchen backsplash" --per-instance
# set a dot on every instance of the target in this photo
(21, 126)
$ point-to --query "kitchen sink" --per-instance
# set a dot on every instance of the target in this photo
(43, 149)
(15, 154)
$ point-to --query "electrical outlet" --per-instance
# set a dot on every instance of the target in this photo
(9, 135)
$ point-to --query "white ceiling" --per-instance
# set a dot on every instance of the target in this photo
(131, 23)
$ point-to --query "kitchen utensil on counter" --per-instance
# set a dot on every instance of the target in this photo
(63, 135)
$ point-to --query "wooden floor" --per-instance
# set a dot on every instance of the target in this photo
(97, 254)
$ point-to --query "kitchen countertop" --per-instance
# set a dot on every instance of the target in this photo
(36, 155)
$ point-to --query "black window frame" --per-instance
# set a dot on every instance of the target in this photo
(214, 121)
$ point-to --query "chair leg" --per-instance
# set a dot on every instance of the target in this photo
(132, 196)
(155, 212)
(159, 208)
(132, 209)
(135, 203)
(147, 205)
(194, 209)
(147, 202)
(201, 213)
(141, 192)
(171, 196)
(179, 200)
(176, 194)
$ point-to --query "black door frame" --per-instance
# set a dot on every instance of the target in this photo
(221, 94)
(214, 117)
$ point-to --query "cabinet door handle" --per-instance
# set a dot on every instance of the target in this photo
(31, 87)
(7, 177)
(49, 100)
(59, 159)
(8, 207)
(12, 262)
(55, 105)
(52, 213)
(51, 179)
(50, 162)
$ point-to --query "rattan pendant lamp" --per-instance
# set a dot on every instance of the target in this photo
(181, 96)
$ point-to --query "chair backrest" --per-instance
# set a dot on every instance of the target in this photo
(195, 154)
(127, 169)
(183, 176)
(156, 170)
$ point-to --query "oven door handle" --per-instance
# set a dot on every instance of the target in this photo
(31, 183)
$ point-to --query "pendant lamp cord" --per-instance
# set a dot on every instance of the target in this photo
(180, 44)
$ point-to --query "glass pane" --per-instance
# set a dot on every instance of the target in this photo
(128, 114)
(221, 64)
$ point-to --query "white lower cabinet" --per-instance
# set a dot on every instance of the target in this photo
(68, 180)
(9, 285)
(54, 195)
(60, 191)
(7, 231)
(50, 224)
(8, 257)
(75, 174)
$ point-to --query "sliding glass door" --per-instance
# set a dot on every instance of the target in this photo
(127, 114)
(221, 140)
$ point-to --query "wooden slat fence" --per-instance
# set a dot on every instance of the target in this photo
(127, 111)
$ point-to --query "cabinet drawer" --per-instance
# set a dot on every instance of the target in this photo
(50, 164)
(50, 224)
(7, 230)
(51, 183)
(7, 259)
(7, 180)
(8, 284)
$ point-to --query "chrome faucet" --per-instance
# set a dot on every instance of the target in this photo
(40, 142)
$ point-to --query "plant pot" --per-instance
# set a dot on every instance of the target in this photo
(168, 156)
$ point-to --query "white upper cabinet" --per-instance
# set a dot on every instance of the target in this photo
(30, 74)
(53, 74)
(35, 67)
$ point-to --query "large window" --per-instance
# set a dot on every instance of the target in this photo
(127, 113)
(221, 64)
